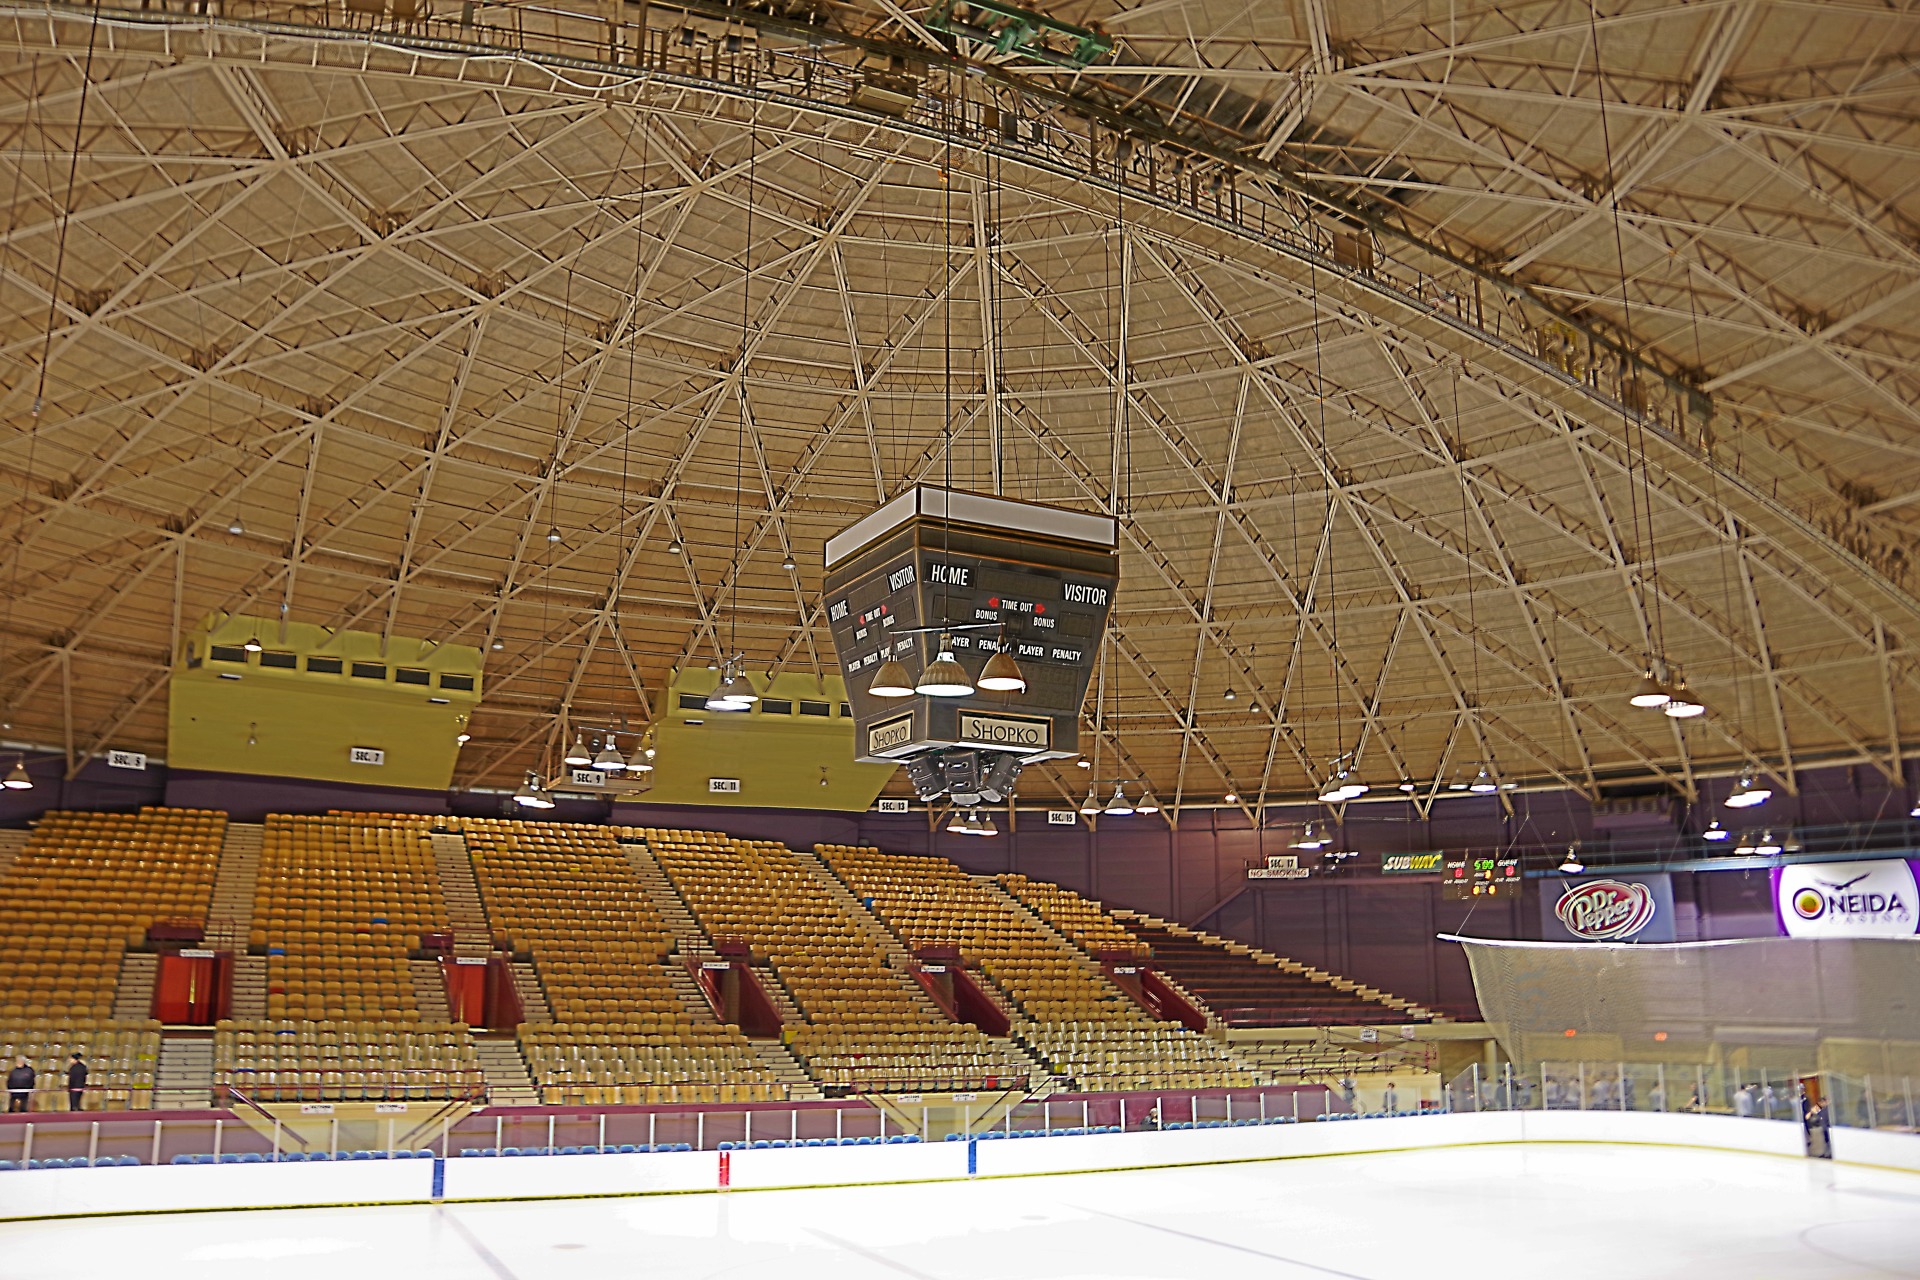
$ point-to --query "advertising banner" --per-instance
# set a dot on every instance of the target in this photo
(1412, 864)
(1874, 899)
(1613, 908)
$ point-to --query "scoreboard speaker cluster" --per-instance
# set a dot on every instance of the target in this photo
(940, 572)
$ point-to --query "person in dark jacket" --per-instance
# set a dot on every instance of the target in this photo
(76, 1082)
(19, 1086)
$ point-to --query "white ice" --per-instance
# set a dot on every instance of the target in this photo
(1481, 1212)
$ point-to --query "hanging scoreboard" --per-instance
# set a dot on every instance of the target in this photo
(1036, 581)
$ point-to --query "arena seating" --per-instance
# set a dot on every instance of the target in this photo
(1080, 1022)
(1244, 989)
(339, 901)
(1081, 920)
(567, 895)
(120, 1060)
(281, 1060)
(863, 1025)
(85, 888)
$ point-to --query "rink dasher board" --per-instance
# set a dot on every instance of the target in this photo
(59, 1193)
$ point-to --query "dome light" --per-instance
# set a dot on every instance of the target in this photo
(1091, 805)
(891, 681)
(1571, 864)
(1310, 837)
(673, 546)
(1483, 783)
(463, 737)
(1232, 797)
(1002, 674)
(1715, 832)
(944, 676)
(640, 761)
(787, 562)
(18, 779)
(236, 528)
(553, 536)
(1651, 693)
(530, 796)
(253, 644)
(609, 758)
(1749, 793)
(1229, 695)
(1766, 846)
(1147, 803)
(577, 755)
(1118, 806)
(1682, 705)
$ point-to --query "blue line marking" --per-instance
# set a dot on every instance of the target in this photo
(439, 1178)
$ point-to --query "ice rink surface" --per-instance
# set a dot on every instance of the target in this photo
(1565, 1211)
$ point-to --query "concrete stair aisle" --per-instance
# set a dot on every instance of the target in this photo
(1031, 917)
(183, 1077)
(782, 998)
(509, 1083)
(466, 911)
(249, 986)
(780, 1062)
(690, 941)
(532, 992)
(11, 843)
(429, 990)
(899, 958)
(133, 992)
(230, 914)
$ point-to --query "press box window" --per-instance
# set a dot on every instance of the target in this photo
(412, 675)
(369, 671)
(808, 707)
(227, 653)
(284, 661)
(776, 707)
(693, 702)
(325, 666)
(460, 684)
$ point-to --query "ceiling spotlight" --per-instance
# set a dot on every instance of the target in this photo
(577, 754)
(18, 779)
(1310, 837)
(1335, 790)
(1715, 832)
(1119, 806)
(497, 645)
(1229, 695)
(1651, 693)
(1002, 674)
(1571, 864)
(673, 546)
(609, 759)
(236, 528)
(891, 681)
(530, 796)
(1683, 705)
(1091, 805)
(553, 536)
(1084, 763)
(959, 823)
(253, 644)
(787, 563)
(1483, 783)
(944, 676)
(1749, 793)
(1231, 798)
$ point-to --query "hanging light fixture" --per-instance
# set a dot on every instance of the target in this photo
(1766, 846)
(891, 681)
(639, 762)
(18, 779)
(577, 755)
(1310, 837)
(787, 562)
(1118, 806)
(553, 536)
(463, 737)
(944, 676)
(610, 758)
(1229, 695)
(236, 527)
(1715, 832)
(1483, 783)
(1749, 793)
(1914, 812)
(1682, 705)
(531, 796)
(1002, 674)
(1652, 693)
(1091, 805)
(1147, 803)
(1571, 864)
(253, 644)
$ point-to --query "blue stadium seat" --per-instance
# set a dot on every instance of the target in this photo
(627, 1149)
(252, 1157)
(509, 1151)
(319, 1157)
(569, 1151)
(815, 1142)
(8, 1164)
(425, 1153)
(400, 1155)
(293, 1157)
(779, 1142)
(681, 1146)
(470, 1151)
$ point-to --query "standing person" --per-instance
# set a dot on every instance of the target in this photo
(76, 1081)
(1657, 1097)
(1390, 1100)
(1346, 1091)
(1743, 1102)
(19, 1086)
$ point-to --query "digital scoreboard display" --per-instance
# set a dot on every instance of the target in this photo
(1037, 582)
(1482, 876)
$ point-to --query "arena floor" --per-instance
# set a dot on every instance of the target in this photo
(1599, 1211)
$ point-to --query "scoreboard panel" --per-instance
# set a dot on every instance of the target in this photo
(1004, 573)
(1482, 876)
